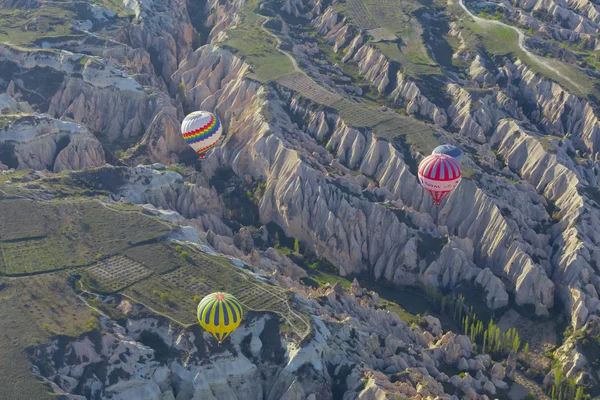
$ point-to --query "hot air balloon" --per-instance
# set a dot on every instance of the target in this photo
(449, 150)
(439, 174)
(220, 314)
(201, 130)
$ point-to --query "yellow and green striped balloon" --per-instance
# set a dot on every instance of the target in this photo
(220, 314)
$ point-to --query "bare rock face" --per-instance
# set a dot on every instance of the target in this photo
(452, 267)
(352, 197)
(559, 183)
(221, 16)
(511, 365)
(575, 356)
(45, 143)
(164, 29)
(455, 347)
(9, 105)
(243, 240)
(433, 325)
(273, 261)
(162, 139)
(167, 190)
(84, 89)
(559, 112)
(496, 295)
(210, 74)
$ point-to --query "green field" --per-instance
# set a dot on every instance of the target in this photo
(258, 47)
(24, 26)
(418, 135)
(197, 274)
(115, 6)
(50, 236)
(358, 14)
(396, 17)
(136, 260)
(34, 309)
(116, 273)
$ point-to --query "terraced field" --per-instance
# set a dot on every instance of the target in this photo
(359, 15)
(177, 292)
(34, 308)
(389, 125)
(47, 22)
(117, 272)
(395, 31)
(308, 88)
(114, 249)
(47, 236)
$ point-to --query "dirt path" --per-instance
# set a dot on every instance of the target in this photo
(531, 386)
(278, 47)
(521, 42)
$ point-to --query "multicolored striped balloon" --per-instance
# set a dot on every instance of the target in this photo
(439, 174)
(201, 130)
(220, 314)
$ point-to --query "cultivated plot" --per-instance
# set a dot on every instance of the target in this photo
(359, 114)
(389, 125)
(22, 219)
(177, 292)
(48, 236)
(34, 309)
(382, 34)
(117, 272)
(308, 88)
(47, 254)
(357, 12)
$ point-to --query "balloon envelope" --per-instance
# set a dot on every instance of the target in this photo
(439, 174)
(201, 130)
(220, 314)
(449, 150)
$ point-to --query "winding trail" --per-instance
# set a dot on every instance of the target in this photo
(278, 46)
(521, 42)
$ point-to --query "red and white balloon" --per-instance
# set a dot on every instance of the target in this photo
(439, 174)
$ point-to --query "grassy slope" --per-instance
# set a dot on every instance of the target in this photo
(32, 310)
(411, 54)
(184, 278)
(38, 237)
(53, 19)
(24, 26)
(115, 6)
(258, 47)
(395, 16)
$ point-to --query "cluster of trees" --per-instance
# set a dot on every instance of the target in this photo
(564, 388)
(489, 338)
(163, 297)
